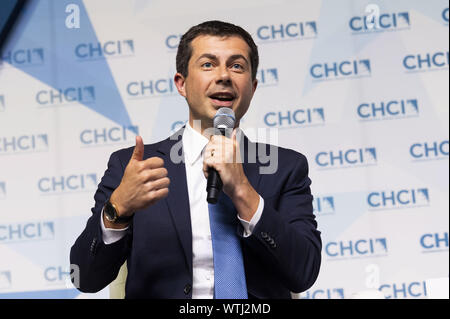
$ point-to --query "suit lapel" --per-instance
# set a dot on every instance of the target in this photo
(178, 199)
(250, 162)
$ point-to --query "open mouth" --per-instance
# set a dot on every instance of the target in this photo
(222, 98)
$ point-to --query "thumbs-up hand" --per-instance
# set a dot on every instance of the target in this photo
(143, 183)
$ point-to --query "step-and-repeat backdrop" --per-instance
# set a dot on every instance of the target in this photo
(359, 87)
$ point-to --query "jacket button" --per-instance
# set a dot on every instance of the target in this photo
(264, 235)
(272, 244)
(187, 289)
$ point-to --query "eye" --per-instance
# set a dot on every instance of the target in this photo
(207, 65)
(237, 66)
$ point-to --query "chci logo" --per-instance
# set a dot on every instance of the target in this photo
(364, 247)
(423, 62)
(329, 293)
(424, 151)
(115, 48)
(376, 22)
(394, 199)
(70, 95)
(340, 70)
(267, 77)
(387, 110)
(23, 143)
(23, 57)
(346, 158)
(434, 242)
(108, 136)
(324, 205)
(414, 289)
(301, 117)
(289, 31)
(27, 231)
(151, 88)
(67, 184)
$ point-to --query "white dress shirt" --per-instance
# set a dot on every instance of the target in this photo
(202, 252)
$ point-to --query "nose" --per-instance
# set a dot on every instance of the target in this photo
(223, 76)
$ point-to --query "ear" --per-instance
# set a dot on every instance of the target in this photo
(179, 82)
(255, 85)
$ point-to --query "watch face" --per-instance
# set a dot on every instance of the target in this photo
(110, 212)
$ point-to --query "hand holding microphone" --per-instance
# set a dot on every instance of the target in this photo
(221, 164)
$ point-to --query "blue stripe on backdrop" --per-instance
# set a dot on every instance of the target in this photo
(43, 28)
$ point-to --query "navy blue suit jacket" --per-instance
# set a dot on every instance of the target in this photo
(283, 253)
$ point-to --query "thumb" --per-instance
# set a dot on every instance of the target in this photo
(138, 153)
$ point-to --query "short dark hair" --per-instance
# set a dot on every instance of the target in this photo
(214, 28)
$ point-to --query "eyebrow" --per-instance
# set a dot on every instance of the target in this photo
(231, 58)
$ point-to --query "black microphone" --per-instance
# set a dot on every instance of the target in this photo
(223, 120)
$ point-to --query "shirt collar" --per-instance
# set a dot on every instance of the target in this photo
(193, 144)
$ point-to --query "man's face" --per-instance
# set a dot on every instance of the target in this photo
(219, 75)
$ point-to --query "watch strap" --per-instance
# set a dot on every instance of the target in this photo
(112, 214)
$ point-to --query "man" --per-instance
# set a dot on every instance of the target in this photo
(152, 212)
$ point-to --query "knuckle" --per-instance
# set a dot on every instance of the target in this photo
(151, 194)
(147, 175)
(152, 187)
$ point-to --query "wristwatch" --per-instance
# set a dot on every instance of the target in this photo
(112, 214)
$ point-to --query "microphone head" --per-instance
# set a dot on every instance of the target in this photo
(224, 118)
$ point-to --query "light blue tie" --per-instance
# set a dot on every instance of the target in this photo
(229, 273)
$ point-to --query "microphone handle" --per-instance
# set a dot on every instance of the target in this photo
(214, 183)
(214, 186)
